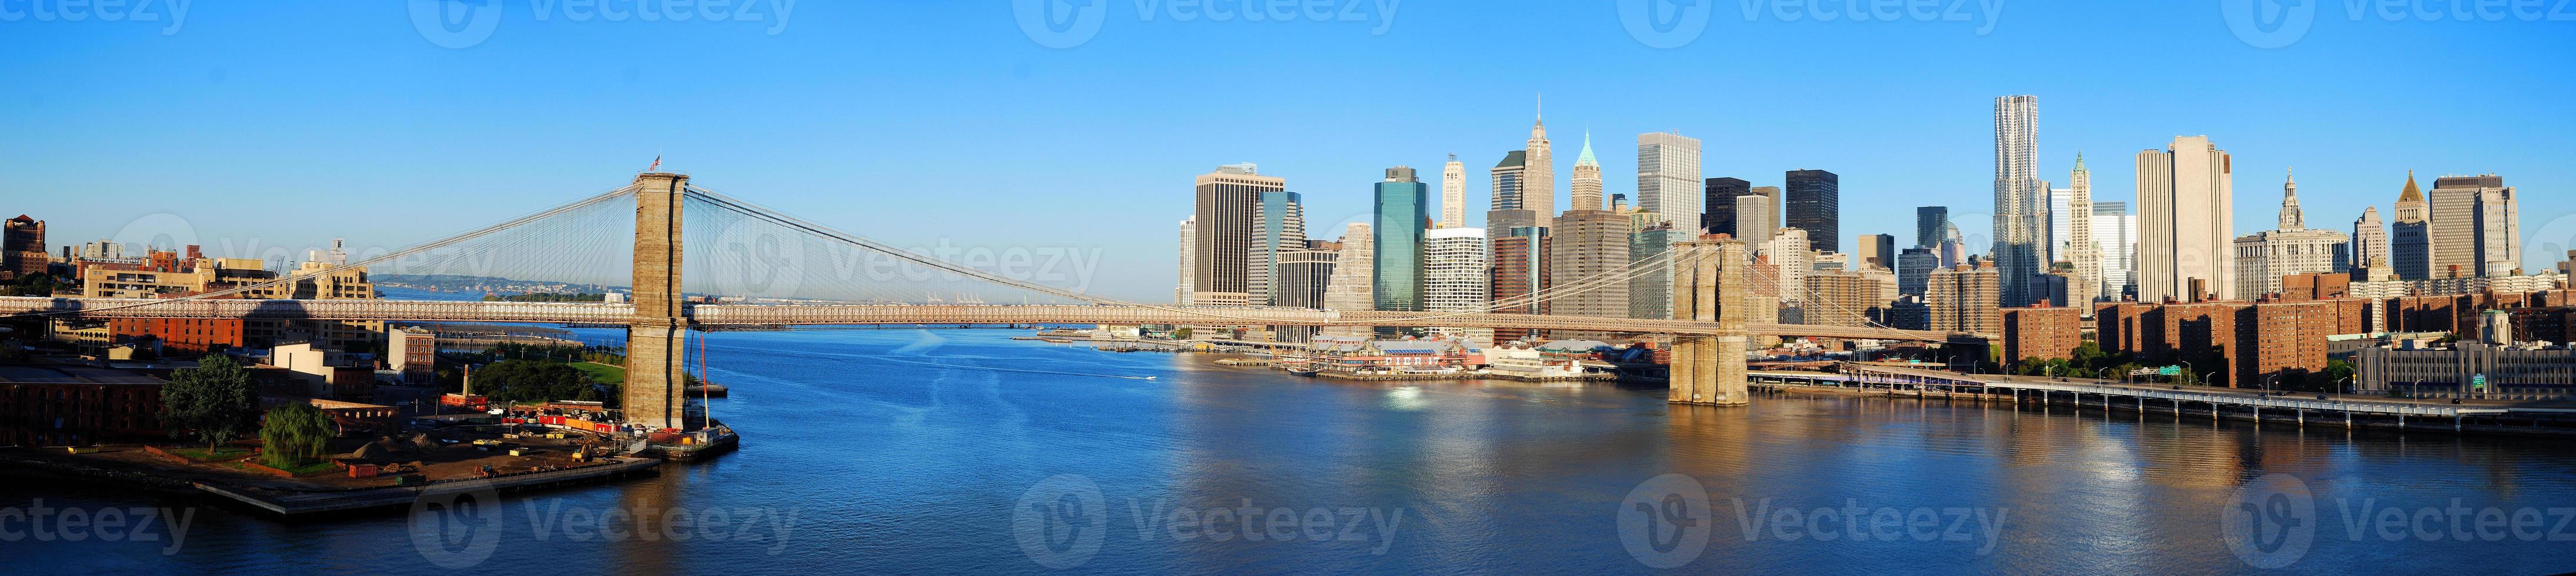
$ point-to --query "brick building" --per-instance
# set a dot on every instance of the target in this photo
(2041, 332)
(182, 337)
(22, 247)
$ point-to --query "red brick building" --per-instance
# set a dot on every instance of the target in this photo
(22, 247)
(39, 413)
(182, 337)
(2041, 332)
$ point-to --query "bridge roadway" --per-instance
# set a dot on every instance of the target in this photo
(1870, 375)
(734, 315)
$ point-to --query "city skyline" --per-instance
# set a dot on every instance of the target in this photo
(143, 117)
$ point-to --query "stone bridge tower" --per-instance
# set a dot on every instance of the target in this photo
(1711, 281)
(656, 376)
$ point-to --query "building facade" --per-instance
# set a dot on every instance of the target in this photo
(1718, 198)
(1931, 226)
(1278, 226)
(1668, 181)
(2041, 332)
(2477, 228)
(1354, 278)
(1876, 251)
(1402, 212)
(2115, 236)
(1962, 299)
(1229, 204)
(2186, 194)
(1814, 204)
(2410, 238)
(2263, 258)
(22, 247)
(2020, 197)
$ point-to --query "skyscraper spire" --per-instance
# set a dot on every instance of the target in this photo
(1538, 177)
(1586, 157)
(2290, 217)
(1587, 179)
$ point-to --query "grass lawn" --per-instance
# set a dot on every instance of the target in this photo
(203, 454)
(602, 373)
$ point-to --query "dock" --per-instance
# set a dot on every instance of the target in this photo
(304, 503)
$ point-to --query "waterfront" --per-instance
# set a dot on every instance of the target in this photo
(912, 451)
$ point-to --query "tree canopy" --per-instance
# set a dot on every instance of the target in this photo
(532, 381)
(213, 402)
(294, 435)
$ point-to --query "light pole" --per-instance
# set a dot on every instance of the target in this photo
(2188, 369)
(2267, 384)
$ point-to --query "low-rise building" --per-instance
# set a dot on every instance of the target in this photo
(2041, 332)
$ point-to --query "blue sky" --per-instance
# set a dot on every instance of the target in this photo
(289, 123)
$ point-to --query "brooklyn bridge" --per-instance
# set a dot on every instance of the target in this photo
(1712, 325)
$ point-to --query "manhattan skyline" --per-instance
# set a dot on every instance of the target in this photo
(843, 125)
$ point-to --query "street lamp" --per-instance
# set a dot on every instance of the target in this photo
(2188, 369)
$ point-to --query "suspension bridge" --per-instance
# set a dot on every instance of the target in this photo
(810, 274)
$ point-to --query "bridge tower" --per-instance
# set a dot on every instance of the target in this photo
(1711, 282)
(656, 376)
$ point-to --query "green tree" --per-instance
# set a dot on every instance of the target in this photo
(213, 402)
(295, 434)
(530, 381)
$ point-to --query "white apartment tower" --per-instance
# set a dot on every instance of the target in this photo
(1189, 242)
(2185, 193)
(1454, 275)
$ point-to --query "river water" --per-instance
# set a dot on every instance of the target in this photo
(952, 451)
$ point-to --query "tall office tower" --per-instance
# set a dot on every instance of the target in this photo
(1587, 179)
(1757, 215)
(22, 246)
(2370, 248)
(1305, 276)
(2263, 258)
(1931, 226)
(1507, 176)
(1877, 251)
(1403, 208)
(2115, 236)
(1913, 267)
(1538, 179)
(1522, 275)
(1453, 194)
(1718, 194)
(1229, 203)
(1182, 293)
(1962, 299)
(2477, 227)
(2060, 228)
(1668, 180)
(1590, 247)
(2019, 197)
(2085, 285)
(1279, 226)
(1954, 248)
(1815, 205)
(2185, 198)
(2410, 240)
(1454, 275)
(1354, 278)
(1650, 295)
(1795, 256)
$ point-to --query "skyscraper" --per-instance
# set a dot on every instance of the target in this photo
(1815, 205)
(1757, 215)
(1650, 294)
(1590, 246)
(2061, 228)
(2410, 240)
(1354, 278)
(2263, 258)
(2477, 227)
(1718, 194)
(1183, 293)
(1280, 226)
(2115, 234)
(1507, 180)
(1668, 180)
(1453, 194)
(1587, 179)
(1931, 226)
(1229, 204)
(1913, 267)
(1403, 209)
(1521, 269)
(2185, 198)
(2019, 198)
(1538, 178)
(1453, 274)
(1877, 251)
(2086, 284)
(22, 246)
(2370, 248)
(1962, 299)
(1305, 277)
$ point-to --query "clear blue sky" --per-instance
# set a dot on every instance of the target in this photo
(289, 123)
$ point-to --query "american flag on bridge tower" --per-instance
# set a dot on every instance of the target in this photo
(657, 163)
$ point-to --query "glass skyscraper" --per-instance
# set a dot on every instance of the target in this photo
(1814, 202)
(1931, 226)
(1402, 216)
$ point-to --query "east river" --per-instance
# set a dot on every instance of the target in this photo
(964, 452)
